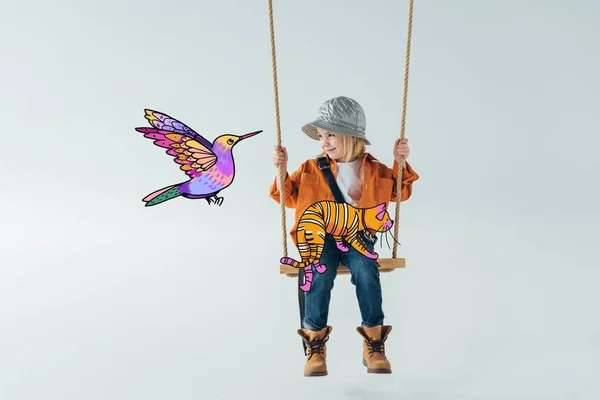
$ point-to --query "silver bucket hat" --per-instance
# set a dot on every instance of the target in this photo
(341, 115)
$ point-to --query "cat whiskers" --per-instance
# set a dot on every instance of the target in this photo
(386, 237)
(378, 230)
(392, 235)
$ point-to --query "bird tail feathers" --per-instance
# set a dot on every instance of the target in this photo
(162, 195)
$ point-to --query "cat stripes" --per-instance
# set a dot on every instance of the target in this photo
(335, 221)
(340, 220)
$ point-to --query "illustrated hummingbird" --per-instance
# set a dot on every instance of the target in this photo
(210, 166)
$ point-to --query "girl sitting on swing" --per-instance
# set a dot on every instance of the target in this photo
(364, 182)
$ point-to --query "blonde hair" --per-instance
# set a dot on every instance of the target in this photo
(354, 147)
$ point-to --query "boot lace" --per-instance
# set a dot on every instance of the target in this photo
(376, 346)
(316, 347)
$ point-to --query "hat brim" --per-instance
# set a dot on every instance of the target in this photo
(311, 130)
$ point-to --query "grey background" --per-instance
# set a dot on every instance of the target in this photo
(101, 298)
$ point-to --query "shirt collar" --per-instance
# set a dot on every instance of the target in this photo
(366, 161)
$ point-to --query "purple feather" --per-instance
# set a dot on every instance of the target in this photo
(168, 123)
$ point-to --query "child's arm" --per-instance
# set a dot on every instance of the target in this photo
(402, 151)
(290, 188)
(408, 177)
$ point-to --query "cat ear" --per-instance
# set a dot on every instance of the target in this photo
(381, 211)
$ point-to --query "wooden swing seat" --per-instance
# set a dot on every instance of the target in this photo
(385, 265)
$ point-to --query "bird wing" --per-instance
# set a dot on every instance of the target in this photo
(194, 157)
(167, 123)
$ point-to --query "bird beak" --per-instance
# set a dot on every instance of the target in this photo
(247, 135)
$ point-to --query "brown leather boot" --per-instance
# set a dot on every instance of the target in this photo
(373, 348)
(316, 351)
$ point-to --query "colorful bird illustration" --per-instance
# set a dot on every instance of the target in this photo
(209, 165)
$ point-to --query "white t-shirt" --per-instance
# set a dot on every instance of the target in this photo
(350, 180)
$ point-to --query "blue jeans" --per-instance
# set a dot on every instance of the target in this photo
(364, 276)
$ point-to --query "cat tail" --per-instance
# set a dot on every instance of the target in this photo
(304, 250)
(293, 263)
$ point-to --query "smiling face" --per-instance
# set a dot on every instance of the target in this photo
(339, 147)
(332, 143)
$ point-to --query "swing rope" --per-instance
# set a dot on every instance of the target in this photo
(281, 175)
(403, 127)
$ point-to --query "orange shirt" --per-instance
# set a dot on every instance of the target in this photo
(307, 186)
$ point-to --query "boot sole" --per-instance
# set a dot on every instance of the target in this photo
(376, 371)
(309, 374)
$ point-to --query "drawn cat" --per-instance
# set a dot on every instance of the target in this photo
(343, 222)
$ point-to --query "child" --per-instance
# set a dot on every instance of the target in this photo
(364, 182)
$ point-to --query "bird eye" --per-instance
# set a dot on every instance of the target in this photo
(229, 141)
